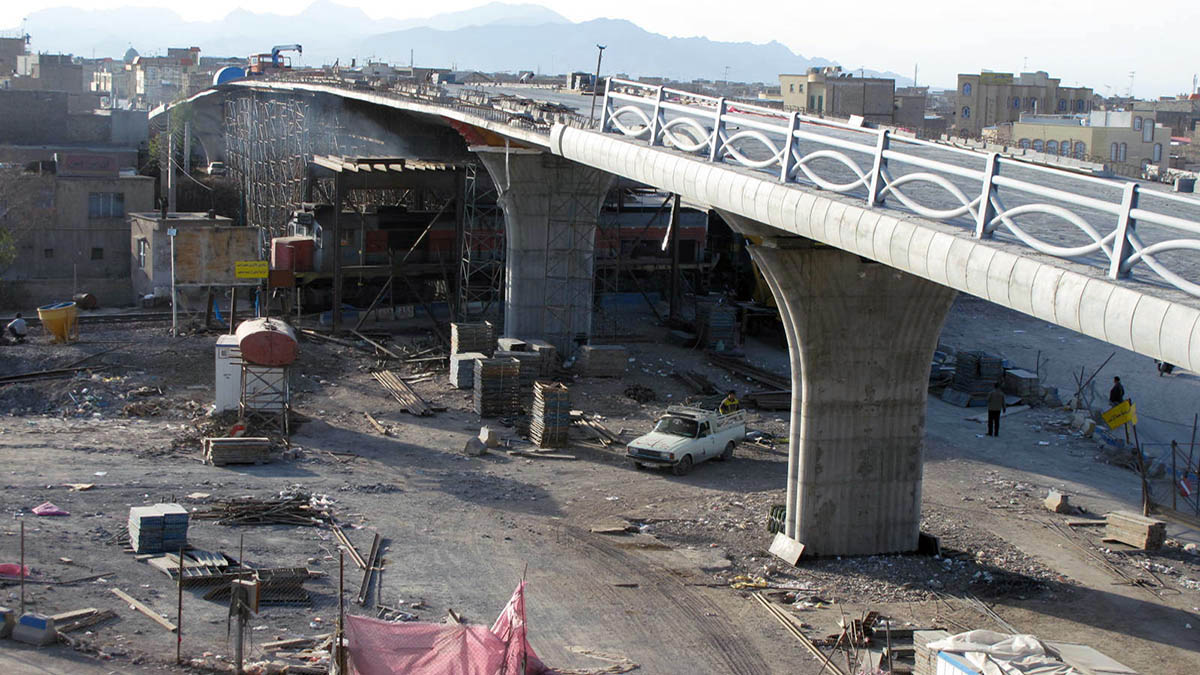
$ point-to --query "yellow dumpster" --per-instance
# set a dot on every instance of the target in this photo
(59, 320)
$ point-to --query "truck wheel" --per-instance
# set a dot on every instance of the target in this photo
(637, 465)
(728, 454)
(683, 467)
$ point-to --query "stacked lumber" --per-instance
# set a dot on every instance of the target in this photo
(603, 360)
(497, 387)
(551, 415)
(717, 325)
(295, 509)
(925, 659)
(244, 450)
(1021, 382)
(975, 373)
(462, 369)
(531, 368)
(198, 567)
(548, 352)
(594, 427)
(1135, 530)
(158, 528)
(471, 337)
(776, 399)
(404, 395)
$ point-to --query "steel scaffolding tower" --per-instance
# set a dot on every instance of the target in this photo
(481, 263)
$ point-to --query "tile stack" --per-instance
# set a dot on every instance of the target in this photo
(472, 337)
(975, 373)
(717, 325)
(462, 369)
(497, 387)
(551, 415)
(548, 352)
(157, 529)
(603, 360)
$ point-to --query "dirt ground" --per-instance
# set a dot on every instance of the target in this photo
(460, 532)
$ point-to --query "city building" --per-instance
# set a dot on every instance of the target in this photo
(50, 72)
(162, 79)
(68, 217)
(987, 99)
(1126, 141)
(910, 106)
(207, 248)
(1180, 115)
(11, 46)
(831, 92)
(38, 124)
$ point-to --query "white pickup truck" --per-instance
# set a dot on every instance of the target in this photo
(685, 436)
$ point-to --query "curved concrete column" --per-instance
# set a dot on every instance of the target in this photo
(861, 337)
(550, 209)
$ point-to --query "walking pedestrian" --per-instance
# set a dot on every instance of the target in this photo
(995, 405)
(1117, 393)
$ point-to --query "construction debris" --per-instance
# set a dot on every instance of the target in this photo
(288, 509)
(135, 604)
(776, 399)
(551, 415)
(593, 425)
(1057, 502)
(640, 393)
(1135, 530)
(404, 395)
(375, 423)
(244, 450)
(740, 367)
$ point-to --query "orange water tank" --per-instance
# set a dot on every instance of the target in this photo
(267, 342)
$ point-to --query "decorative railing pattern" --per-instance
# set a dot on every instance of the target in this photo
(957, 186)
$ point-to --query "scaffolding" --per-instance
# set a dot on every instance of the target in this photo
(481, 263)
(266, 397)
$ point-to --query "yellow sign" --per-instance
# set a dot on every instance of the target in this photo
(250, 269)
(996, 79)
(1121, 414)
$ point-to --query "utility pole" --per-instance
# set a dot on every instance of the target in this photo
(915, 74)
(170, 163)
(596, 82)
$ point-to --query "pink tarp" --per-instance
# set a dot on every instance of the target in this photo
(415, 648)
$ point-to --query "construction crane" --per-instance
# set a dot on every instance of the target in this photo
(262, 64)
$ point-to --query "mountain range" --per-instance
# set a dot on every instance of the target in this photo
(492, 37)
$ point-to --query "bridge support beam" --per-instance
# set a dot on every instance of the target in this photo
(550, 206)
(861, 337)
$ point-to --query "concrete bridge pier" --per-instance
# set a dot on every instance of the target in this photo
(550, 206)
(861, 336)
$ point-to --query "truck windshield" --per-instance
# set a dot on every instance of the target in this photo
(677, 426)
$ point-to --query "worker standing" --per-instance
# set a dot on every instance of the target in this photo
(730, 404)
(17, 328)
(1117, 393)
(995, 405)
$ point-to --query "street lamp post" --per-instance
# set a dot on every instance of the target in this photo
(596, 82)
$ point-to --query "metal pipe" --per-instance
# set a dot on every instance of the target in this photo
(596, 82)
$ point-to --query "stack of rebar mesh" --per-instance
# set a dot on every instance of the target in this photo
(551, 415)
(497, 387)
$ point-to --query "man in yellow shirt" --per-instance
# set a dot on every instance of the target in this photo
(730, 404)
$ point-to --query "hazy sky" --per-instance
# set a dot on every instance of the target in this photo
(1096, 43)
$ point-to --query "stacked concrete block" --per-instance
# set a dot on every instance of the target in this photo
(462, 369)
(472, 337)
(603, 360)
(497, 387)
(551, 415)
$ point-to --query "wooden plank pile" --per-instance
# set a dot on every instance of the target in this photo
(776, 399)
(1135, 530)
(548, 352)
(408, 399)
(472, 337)
(924, 658)
(199, 567)
(158, 528)
(79, 619)
(595, 428)
(244, 450)
(603, 360)
(551, 415)
(717, 325)
(531, 367)
(462, 369)
(295, 509)
(497, 387)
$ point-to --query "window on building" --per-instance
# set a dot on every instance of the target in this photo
(1112, 152)
(1148, 131)
(47, 253)
(1038, 145)
(1137, 124)
(1080, 150)
(1016, 103)
(1080, 105)
(1157, 153)
(966, 89)
(812, 102)
(106, 205)
(1062, 105)
(1064, 148)
(1121, 155)
(792, 88)
(966, 112)
(1024, 143)
(1052, 147)
(97, 253)
(820, 103)
(142, 247)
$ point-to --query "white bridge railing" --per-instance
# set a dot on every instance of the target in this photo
(842, 158)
